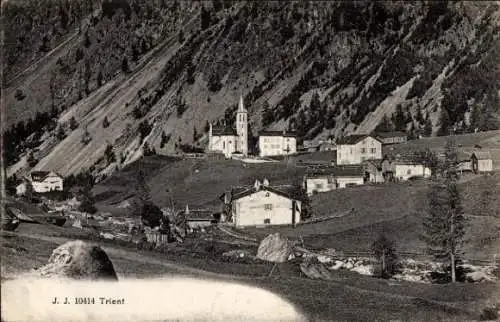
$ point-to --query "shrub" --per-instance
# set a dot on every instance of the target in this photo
(20, 95)
(489, 314)
(384, 251)
(72, 123)
(105, 122)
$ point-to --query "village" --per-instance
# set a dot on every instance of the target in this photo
(290, 201)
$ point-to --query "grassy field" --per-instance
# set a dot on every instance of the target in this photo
(198, 183)
(395, 210)
(348, 297)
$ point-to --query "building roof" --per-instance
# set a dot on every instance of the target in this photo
(223, 130)
(482, 155)
(278, 133)
(287, 191)
(197, 214)
(40, 176)
(391, 134)
(353, 139)
(375, 162)
(337, 171)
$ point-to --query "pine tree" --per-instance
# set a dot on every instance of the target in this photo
(60, 133)
(110, 155)
(125, 66)
(385, 125)
(105, 122)
(399, 119)
(72, 123)
(384, 251)
(427, 127)
(444, 223)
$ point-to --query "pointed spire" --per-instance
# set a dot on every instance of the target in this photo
(241, 108)
(187, 210)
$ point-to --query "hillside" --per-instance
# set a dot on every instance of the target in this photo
(130, 73)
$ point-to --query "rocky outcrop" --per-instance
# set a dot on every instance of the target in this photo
(313, 268)
(275, 248)
(79, 260)
(10, 222)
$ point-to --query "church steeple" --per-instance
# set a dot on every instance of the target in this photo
(242, 127)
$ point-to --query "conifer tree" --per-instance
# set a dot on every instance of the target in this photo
(444, 223)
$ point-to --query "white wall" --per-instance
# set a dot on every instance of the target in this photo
(250, 210)
(406, 171)
(276, 145)
(485, 165)
(366, 149)
(322, 184)
(223, 143)
(51, 183)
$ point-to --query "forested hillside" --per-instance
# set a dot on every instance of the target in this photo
(148, 75)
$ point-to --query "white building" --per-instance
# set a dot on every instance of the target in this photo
(332, 178)
(405, 169)
(263, 205)
(355, 149)
(272, 143)
(41, 181)
(231, 140)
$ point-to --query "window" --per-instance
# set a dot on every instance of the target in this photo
(319, 186)
(331, 180)
(267, 221)
(267, 194)
(363, 159)
(268, 206)
(408, 171)
(373, 150)
(350, 150)
(363, 150)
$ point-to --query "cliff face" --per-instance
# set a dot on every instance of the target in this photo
(157, 71)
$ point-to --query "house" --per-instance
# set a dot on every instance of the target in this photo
(394, 137)
(332, 178)
(354, 149)
(407, 167)
(310, 146)
(465, 161)
(374, 170)
(272, 143)
(327, 145)
(41, 181)
(228, 140)
(263, 204)
(197, 218)
(482, 161)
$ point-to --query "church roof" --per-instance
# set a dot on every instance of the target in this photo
(278, 133)
(223, 130)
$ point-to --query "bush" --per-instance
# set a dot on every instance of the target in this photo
(489, 314)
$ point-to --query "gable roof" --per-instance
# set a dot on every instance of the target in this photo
(390, 134)
(482, 155)
(198, 214)
(286, 191)
(40, 176)
(278, 133)
(223, 130)
(354, 138)
(338, 171)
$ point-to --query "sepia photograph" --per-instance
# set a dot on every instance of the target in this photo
(222, 160)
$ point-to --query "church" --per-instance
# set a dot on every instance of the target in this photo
(231, 140)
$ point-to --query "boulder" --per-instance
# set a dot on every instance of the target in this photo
(79, 260)
(274, 248)
(314, 269)
(10, 222)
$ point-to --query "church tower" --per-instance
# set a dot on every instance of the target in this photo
(242, 128)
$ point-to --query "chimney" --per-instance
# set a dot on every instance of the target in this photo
(256, 185)
(265, 182)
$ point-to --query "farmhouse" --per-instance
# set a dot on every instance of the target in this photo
(394, 137)
(197, 218)
(355, 149)
(375, 170)
(41, 181)
(228, 140)
(465, 161)
(262, 205)
(272, 143)
(404, 168)
(482, 161)
(331, 178)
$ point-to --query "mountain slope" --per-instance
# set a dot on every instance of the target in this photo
(321, 68)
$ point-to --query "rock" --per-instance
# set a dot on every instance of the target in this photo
(274, 248)
(77, 224)
(79, 260)
(314, 269)
(10, 222)
(338, 265)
